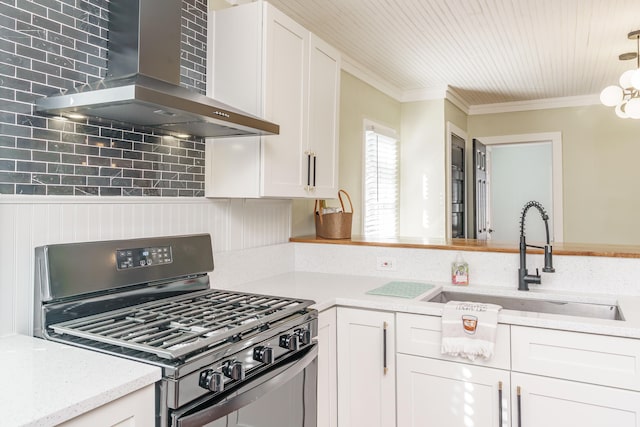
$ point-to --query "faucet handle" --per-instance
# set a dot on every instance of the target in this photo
(548, 260)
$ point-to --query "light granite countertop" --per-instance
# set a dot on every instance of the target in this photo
(46, 383)
(51, 382)
(329, 290)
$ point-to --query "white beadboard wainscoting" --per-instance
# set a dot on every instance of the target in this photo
(27, 222)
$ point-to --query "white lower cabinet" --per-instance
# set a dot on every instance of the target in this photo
(366, 368)
(434, 392)
(571, 378)
(327, 374)
(550, 402)
(136, 409)
(536, 377)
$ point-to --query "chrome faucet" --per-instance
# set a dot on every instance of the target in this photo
(524, 278)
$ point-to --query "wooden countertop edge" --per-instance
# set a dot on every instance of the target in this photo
(613, 251)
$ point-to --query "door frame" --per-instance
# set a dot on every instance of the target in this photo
(556, 170)
(455, 130)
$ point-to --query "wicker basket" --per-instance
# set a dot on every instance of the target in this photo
(335, 225)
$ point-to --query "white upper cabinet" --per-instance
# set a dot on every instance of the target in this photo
(265, 63)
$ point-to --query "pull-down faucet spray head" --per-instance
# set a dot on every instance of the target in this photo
(524, 278)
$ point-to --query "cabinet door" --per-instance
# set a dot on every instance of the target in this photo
(324, 98)
(136, 409)
(283, 163)
(327, 375)
(549, 402)
(232, 165)
(366, 387)
(447, 394)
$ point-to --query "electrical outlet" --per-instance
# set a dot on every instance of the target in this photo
(385, 263)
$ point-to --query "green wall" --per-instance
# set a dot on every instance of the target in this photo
(600, 155)
(600, 162)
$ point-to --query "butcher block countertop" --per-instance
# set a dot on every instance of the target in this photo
(572, 249)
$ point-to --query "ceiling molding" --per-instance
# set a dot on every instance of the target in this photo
(358, 70)
(423, 94)
(536, 104)
(457, 100)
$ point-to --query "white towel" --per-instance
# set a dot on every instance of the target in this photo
(469, 329)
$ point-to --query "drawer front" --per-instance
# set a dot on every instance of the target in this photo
(589, 358)
(421, 335)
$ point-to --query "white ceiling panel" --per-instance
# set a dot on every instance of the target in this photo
(488, 51)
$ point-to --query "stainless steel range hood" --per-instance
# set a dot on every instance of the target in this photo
(143, 83)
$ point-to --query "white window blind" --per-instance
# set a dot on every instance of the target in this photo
(381, 184)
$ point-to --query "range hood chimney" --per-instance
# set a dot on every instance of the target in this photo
(142, 86)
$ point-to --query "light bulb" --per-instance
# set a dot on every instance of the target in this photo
(620, 112)
(635, 79)
(611, 95)
(633, 108)
(625, 79)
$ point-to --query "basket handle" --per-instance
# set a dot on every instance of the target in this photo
(316, 210)
(342, 202)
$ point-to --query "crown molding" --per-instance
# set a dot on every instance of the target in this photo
(423, 94)
(356, 69)
(457, 100)
(359, 71)
(536, 104)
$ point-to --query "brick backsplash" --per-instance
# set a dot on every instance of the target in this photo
(49, 45)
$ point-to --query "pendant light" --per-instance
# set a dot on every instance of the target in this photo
(625, 97)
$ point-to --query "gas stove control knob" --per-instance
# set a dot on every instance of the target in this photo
(233, 370)
(211, 380)
(263, 354)
(304, 335)
(290, 342)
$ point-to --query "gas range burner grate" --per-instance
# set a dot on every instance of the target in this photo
(174, 327)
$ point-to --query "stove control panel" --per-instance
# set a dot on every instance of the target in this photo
(235, 367)
(143, 257)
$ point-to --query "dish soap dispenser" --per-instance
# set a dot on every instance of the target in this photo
(459, 271)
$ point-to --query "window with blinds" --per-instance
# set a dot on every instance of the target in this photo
(381, 183)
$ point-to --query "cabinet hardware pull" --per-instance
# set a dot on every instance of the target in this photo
(308, 169)
(314, 169)
(519, 407)
(384, 347)
(499, 403)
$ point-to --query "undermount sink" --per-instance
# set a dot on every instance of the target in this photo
(567, 308)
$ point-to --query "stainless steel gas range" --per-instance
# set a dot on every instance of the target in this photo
(228, 358)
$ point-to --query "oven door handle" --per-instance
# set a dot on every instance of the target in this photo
(248, 393)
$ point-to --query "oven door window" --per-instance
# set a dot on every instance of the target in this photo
(283, 396)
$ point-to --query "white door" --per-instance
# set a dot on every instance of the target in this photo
(549, 402)
(521, 168)
(366, 368)
(447, 394)
(517, 174)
